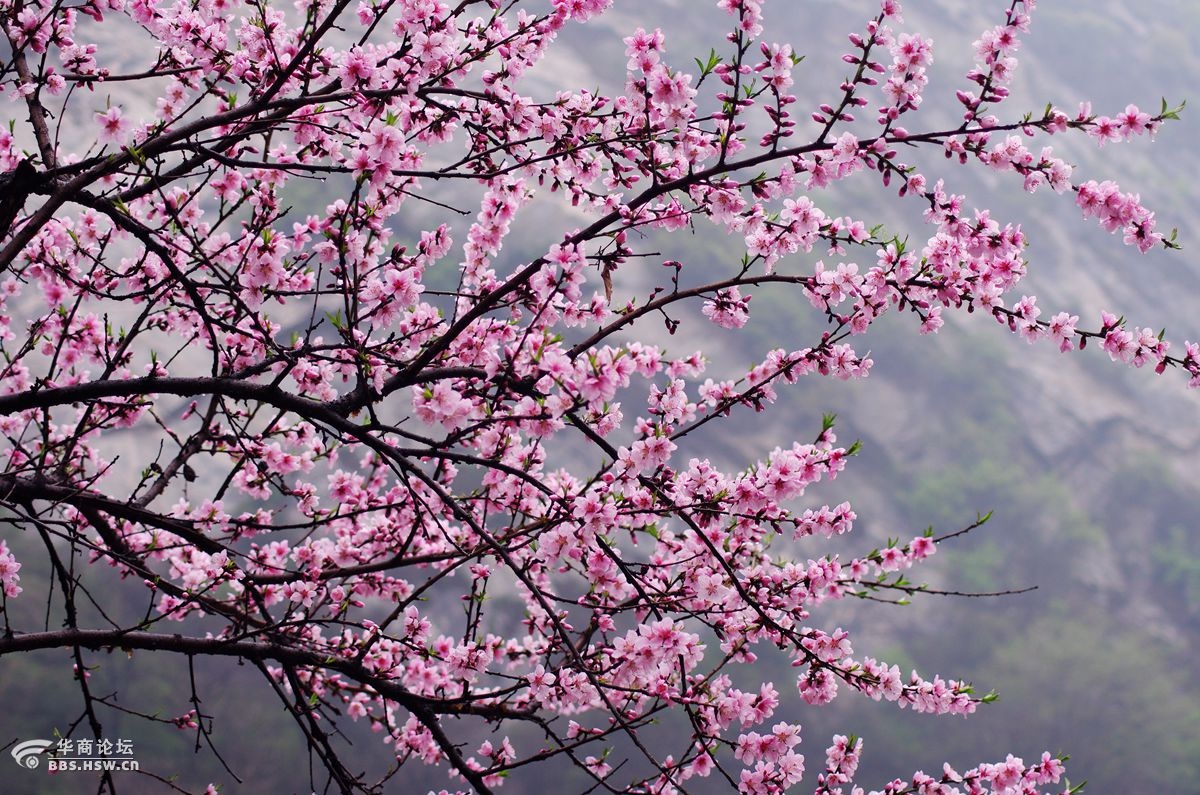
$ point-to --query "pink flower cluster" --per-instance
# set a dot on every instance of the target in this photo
(1127, 124)
(996, 61)
(1116, 210)
(9, 579)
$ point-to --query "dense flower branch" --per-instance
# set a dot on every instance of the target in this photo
(381, 414)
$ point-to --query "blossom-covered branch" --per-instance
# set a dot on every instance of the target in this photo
(301, 353)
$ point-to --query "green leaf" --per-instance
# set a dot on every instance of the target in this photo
(707, 66)
(1172, 113)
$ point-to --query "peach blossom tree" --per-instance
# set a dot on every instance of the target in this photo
(277, 375)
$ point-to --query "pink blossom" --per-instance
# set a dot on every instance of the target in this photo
(114, 127)
(9, 567)
(728, 308)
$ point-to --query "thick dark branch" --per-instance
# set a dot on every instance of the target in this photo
(259, 651)
(183, 387)
(15, 187)
(18, 489)
(37, 112)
